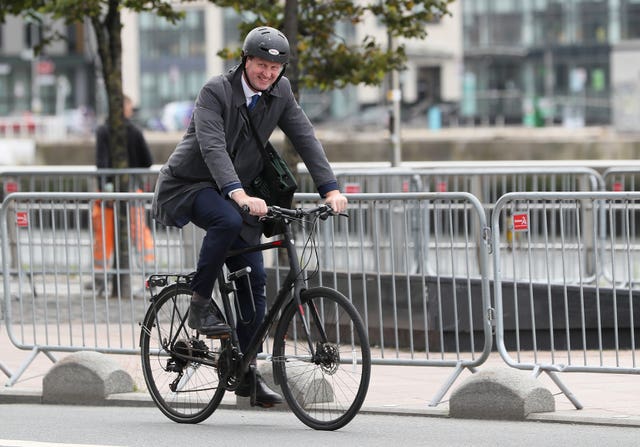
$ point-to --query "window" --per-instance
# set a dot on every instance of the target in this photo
(172, 59)
(593, 22)
(630, 19)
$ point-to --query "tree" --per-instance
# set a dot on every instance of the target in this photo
(105, 19)
(321, 57)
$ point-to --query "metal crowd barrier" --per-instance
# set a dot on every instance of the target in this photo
(623, 178)
(567, 282)
(423, 293)
(487, 183)
(74, 178)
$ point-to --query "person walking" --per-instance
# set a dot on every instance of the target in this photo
(139, 156)
(206, 179)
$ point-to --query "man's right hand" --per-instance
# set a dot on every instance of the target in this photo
(255, 205)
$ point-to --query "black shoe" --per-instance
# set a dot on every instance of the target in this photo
(265, 396)
(203, 318)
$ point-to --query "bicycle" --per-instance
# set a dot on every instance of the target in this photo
(320, 351)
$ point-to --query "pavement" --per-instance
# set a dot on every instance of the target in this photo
(607, 399)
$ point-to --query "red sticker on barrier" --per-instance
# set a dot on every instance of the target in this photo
(352, 188)
(521, 222)
(617, 187)
(22, 218)
(442, 187)
(10, 187)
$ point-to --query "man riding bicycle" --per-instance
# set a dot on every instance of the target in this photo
(205, 178)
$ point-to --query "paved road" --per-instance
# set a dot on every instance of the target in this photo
(24, 425)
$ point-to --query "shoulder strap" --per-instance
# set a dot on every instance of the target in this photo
(263, 150)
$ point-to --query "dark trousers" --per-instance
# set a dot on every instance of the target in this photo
(222, 223)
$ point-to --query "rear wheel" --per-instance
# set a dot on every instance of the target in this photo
(179, 367)
(325, 379)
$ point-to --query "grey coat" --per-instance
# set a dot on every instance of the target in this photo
(219, 149)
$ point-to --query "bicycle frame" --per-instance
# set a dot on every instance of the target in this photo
(293, 281)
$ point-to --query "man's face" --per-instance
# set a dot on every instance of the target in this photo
(127, 108)
(261, 72)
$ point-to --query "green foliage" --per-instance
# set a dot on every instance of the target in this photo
(327, 58)
(104, 17)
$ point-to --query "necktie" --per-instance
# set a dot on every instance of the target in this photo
(254, 101)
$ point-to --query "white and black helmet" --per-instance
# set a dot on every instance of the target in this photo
(266, 43)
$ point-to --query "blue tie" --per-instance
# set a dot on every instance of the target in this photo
(254, 101)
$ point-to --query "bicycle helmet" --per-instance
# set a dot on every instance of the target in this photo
(266, 43)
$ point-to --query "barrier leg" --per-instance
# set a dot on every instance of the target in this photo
(448, 384)
(34, 352)
(572, 398)
(5, 370)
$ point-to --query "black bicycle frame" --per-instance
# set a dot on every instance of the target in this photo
(293, 280)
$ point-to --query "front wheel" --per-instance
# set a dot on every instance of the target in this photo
(180, 368)
(324, 378)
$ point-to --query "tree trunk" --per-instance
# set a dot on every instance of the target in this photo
(109, 43)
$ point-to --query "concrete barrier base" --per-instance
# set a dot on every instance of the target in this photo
(84, 378)
(500, 393)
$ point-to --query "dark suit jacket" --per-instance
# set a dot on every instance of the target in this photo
(139, 155)
(219, 150)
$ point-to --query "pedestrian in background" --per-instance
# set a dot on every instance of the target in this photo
(139, 156)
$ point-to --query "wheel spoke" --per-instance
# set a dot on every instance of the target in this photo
(184, 389)
(327, 387)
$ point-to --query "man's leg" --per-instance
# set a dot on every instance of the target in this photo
(222, 224)
(257, 278)
(258, 281)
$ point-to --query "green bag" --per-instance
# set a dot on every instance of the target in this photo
(276, 183)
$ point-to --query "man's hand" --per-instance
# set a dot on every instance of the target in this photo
(257, 206)
(336, 201)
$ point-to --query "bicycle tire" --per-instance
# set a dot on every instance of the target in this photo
(325, 394)
(196, 389)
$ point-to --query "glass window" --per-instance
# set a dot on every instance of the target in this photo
(630, 19)
(506, 29)
(549, 24)
(172, 56)
(593, 21)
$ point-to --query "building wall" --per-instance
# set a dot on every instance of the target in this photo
(61, 77)
(545, 61)
(625, 80)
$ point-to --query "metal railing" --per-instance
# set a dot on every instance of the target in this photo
(74, 178)
(622, 178)
(487, 183)
(555, 317)
(423, 293)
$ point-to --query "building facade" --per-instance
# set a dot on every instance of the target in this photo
(164, 66)
(60, 78)
(171, 62)
(542, 61)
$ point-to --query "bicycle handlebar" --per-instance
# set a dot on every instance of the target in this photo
(323, 211)
(274, 212)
